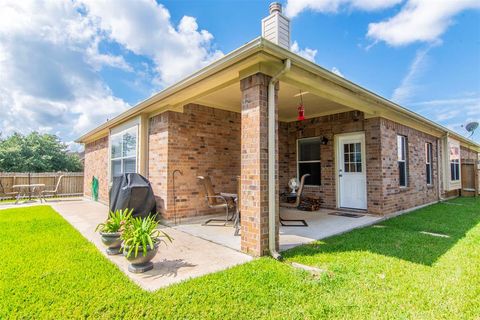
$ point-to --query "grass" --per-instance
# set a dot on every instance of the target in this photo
(48, 270)
(22, 200)
(7, 201)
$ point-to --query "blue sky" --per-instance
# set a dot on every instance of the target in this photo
(66, 67)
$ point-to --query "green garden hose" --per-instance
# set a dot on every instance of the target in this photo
(95, 188)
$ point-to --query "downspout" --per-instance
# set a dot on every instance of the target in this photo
(272, 206)
(440, 199)
(441, 143)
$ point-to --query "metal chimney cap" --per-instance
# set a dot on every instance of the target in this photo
(275, 7)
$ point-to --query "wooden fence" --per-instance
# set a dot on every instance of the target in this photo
(470, 177)
(70, 185)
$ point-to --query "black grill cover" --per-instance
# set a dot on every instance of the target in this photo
(132, 191)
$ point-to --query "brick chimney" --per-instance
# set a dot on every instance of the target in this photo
(276, 27)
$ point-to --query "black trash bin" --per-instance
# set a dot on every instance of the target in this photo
(132, 191)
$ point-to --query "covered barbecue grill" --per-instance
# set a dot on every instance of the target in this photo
(132, 191)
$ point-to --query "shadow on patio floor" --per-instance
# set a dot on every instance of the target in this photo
(421, 237)
(168, 268)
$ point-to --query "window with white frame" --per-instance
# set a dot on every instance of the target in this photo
(428, 163)
(123, 151)
(308, 160)
(454, 163)
(402, 160)
(352, 157)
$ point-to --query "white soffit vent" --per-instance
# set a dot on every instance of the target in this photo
(276, 27)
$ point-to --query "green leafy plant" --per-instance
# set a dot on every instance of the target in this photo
(116, 221)
(140, 233)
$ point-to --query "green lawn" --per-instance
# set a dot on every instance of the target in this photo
(48, 270)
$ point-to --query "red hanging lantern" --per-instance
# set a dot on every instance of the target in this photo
(301, 112)
(301, 109)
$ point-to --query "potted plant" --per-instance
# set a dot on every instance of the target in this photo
(141, 239)
(112, 229)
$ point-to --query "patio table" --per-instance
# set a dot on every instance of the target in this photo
(24, 189)
(236, 215)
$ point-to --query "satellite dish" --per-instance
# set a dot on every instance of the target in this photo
(471, 127)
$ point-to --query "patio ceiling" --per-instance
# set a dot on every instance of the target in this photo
(229, 98)
(217, 85)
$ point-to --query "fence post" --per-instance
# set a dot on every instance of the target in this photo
(29, 189)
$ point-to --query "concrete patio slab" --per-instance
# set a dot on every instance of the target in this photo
(320, 225)
(187, 257)
(214, 232)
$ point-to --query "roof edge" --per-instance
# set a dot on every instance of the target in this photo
(363, 91)
(248, 48)
(252, 47)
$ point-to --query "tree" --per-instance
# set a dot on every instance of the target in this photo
(36, 152)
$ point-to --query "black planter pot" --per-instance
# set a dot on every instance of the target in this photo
(141, 263)
(113, 242)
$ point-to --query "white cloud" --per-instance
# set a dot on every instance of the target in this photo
(410, 82)
(99, 60)
(454, 113)
(307, 53)
(144, 27)
(50, 59)
(295, 7)
(419, 21)
(47, 80)
(468, 100)
(337, 72)
(466, 107)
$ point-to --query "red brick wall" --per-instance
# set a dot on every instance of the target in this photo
(396, 198)
(329, 126)
(384, 195)
(157, 159)
(284, 174)
(468, 155)
(207, 141)
(201, 141)
(96, 164)
(374, 144)
(254, 170)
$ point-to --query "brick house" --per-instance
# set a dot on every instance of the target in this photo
(238, 117)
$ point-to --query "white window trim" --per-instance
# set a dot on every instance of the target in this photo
(405, 160)
(452, 184)
(427, 146)
(118, 130)
(454, 161)
(309, 161)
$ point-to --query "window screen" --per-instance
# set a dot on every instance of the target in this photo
(352, 157)
(428, 163)
(402, 160)
(123, 152)
(309, 160)
(454, 163)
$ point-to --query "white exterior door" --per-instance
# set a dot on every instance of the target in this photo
(351, 171)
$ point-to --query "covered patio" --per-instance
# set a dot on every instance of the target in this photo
(322, 224)
(226, 130)
(240, 118)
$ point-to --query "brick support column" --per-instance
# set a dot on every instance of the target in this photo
(254, 165)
